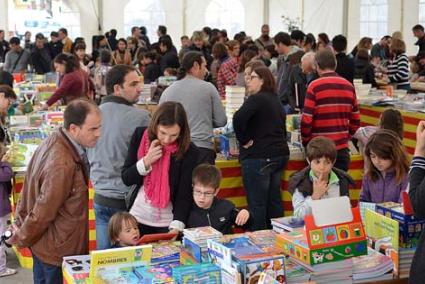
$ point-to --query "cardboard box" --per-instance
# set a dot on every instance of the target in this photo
(333, 232)
(295, 245)
(76, 269)
(243, 256)
(192, 253)
(410, 228)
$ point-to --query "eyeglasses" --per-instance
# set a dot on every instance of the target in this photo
(200, 193)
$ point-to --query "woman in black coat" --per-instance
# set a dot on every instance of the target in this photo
(261, 132)
(160, 162)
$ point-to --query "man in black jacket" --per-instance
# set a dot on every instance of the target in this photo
(344, 63)
(4, 46)
(418, 32)
(55, 44)
(209, 210)
(40, 56)
(169, 58)
(299, 79)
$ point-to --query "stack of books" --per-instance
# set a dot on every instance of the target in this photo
(235, 97)
(195, 247)
(145, 94)
(405, 257)
(286, 224)
(295, 272)
(332, 272)
(200, 235)
(372, 267)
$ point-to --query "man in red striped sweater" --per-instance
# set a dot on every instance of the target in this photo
(330, 108)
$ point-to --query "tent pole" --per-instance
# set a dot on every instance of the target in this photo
(266, 11)
(345, 18)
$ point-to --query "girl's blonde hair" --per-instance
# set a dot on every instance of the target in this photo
(387, 145)
(115, 225)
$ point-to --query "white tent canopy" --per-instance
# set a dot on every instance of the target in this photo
(353, 18)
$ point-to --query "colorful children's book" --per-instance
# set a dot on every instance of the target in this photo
(76, 269)
(383, 235)
(166, 252)
(110, 261)
(197, 274)
(156, 274)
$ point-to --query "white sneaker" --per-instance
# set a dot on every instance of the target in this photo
(8, 272)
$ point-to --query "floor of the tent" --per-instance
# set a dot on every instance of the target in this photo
(24, 276)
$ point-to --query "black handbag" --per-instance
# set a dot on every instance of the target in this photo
(131, 195)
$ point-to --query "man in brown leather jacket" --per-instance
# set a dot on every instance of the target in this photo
(52, 212)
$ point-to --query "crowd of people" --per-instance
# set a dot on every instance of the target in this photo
(156, 174)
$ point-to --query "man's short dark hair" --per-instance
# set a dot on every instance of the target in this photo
(321, 147)
(15, 40)
(184, 37)
(6, 78)
(105, 56)
(166, 40)
(282, 38)
(207, 30)
(116, 76)
(133, 29)
(297, 35)
(113, 32)
(418, 28)
(8, 92)
(40, 36)
(54, 34)
(325, 59)
(76, 112)
(206, 175)
(143, 30)
(162, 29)
(339, 43)
(65, 31)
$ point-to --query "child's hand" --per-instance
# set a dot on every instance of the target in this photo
(320, 187)
(420, 139)
(249, 144)
(242, 217)
(5, 155)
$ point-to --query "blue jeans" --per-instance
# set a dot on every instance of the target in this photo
(262, 180)
(46, 273)
(103, 214)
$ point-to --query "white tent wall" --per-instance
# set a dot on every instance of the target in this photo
(4, 16)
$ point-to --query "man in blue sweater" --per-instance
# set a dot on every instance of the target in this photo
(120, 119)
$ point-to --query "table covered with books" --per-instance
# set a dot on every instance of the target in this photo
(369, 115)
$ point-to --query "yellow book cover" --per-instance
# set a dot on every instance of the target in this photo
(383, 235)
(114, 259)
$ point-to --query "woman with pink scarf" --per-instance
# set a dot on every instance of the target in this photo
(160, 162)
